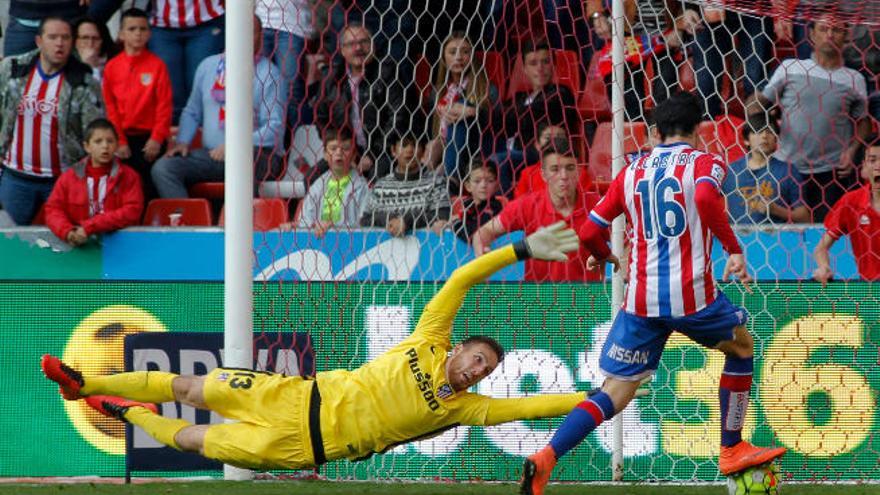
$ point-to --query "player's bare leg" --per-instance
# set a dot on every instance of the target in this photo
(192, 438)
(733, 394)
(581, 421)
(189, 390)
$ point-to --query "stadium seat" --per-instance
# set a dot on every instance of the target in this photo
(457, 203)
(635, 139)
(423, 77)
(195, 212)
(269, 213)
(208, 190)
(686, 76)
(565, 64)
(495, 68)
(602, 186)
(723, 136)
(593, 103)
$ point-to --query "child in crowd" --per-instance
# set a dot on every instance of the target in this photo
(480, 204)
(137, 91)
(760, 188)
(337, 197)
(99, 194)
(412, 196)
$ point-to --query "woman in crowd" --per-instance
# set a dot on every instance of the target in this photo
(463, 99)
(93, 44)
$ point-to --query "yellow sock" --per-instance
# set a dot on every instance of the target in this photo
(142, 386)
(159, 427)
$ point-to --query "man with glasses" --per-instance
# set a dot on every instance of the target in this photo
(367, 97)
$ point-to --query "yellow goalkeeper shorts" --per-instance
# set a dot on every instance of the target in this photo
(273, 410)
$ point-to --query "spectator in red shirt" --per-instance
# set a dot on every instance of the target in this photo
(137, 90)
(561, 200)
(531, 179)
(856, 214)
(99, 194)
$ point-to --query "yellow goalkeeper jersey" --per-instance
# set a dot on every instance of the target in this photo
(403, 395)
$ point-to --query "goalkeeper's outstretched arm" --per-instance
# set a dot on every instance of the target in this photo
(552, 243)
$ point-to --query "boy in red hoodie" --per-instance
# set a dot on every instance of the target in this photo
(137, 91)
(98, 194)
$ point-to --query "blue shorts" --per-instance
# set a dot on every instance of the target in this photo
(635, 343)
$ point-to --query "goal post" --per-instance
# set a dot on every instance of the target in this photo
(239, 179)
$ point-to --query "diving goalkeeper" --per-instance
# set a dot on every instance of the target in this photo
(417, 389)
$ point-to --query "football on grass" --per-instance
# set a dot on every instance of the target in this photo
(763, 479)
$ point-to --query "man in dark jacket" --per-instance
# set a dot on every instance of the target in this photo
(367, 97)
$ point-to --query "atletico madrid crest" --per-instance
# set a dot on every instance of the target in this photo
(445, 391)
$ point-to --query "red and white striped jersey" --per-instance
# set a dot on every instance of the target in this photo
(185, 13)
(670, 262)
(35, 147)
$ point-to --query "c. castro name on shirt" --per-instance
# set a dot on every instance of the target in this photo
(628, 356)
(423, 380)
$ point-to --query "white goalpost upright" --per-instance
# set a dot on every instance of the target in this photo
(618, 227)
(238, 241)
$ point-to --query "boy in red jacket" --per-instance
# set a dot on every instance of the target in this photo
(137, 91)
(98, 194)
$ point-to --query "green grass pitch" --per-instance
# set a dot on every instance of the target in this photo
(343, 488)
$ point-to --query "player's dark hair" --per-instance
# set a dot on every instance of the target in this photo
(133, 13)
(680, 114)
(489, 341)
(49, 18)
(757, 122)
(531, 46)
(336, 134)
(558, 146)
(99, 124)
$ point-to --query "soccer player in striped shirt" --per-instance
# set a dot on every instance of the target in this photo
(672, 200)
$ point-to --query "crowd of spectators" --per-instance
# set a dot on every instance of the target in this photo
(474, 147)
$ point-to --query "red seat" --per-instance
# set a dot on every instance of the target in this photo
(423, 77)
(495, 68)
(269, 213)
(593, 103)
(194, 211)
(686, 76)
(723, 136)
(635, 139)
(565, 73)
(209, 190)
